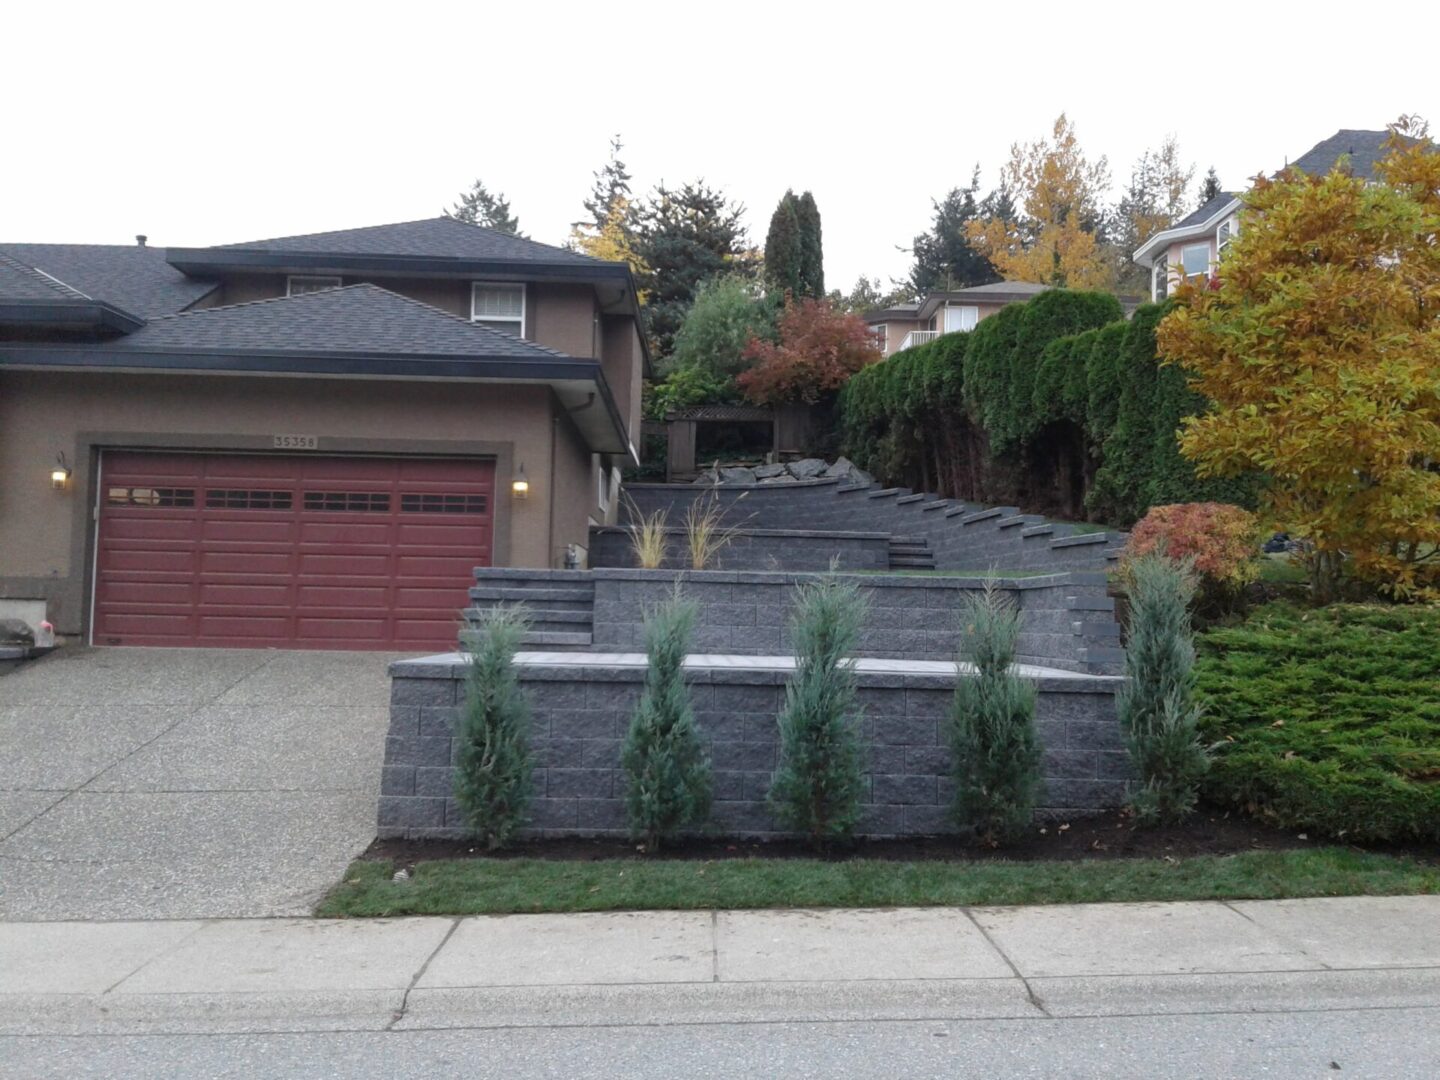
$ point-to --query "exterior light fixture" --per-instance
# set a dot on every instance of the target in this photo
(60, 474)
(519, 486)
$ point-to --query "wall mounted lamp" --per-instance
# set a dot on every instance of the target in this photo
(60, 474)
(519, 486)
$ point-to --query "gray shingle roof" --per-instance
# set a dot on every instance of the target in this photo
(1364, 147)
(441, 237)
(362, 319)
(1211, 208)
(21, 282)
(135, 278)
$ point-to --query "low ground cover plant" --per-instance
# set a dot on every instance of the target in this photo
(493, 773)
(821, 777)
(1157, 707)
(1329, 719)
(667, 772)
(992, 728)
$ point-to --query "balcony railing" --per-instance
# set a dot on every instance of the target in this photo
(918, 337)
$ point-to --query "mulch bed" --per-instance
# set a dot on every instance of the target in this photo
(1108, 836)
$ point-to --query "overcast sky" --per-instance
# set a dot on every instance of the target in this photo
(205, 123)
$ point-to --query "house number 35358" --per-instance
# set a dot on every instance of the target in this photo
(297, 442)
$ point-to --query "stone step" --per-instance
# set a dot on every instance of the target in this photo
(549, 596)
(558, 639)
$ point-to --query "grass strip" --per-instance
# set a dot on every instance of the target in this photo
(507, 886)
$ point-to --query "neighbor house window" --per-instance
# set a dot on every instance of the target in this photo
(1160, 279)
(300, 284)
(1223, 235)
(1195, 258)
(500, 307)
(882, 338)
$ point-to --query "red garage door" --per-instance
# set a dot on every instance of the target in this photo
(301, 552)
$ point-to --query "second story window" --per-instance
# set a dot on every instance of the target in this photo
(500, 307)
(1226, 233)
(1160, 279)
(882, 338)
(300, 284)
(1196, 260)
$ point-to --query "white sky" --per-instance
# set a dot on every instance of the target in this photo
(208, 123)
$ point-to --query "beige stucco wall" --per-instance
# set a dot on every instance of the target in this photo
(622, 361)
(45, 534)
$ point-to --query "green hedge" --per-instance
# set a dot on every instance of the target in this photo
(979, 415)
(1328, 720)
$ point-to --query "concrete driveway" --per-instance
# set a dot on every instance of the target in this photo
(175, 783)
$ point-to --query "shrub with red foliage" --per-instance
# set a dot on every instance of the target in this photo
(819, 349)
(1220, 538)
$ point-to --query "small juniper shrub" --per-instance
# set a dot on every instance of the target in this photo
(1158, 710)
(667, 771)
(818, 784)
(493, 775)
(992, 727)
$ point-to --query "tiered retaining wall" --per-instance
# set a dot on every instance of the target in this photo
(580, 711)
(961, 536)
(755, 549)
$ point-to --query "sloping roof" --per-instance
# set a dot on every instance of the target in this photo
(1365, 148)
(440, 237)
(21, 282)
(129, 276)
(1206, 212)
(356, 318)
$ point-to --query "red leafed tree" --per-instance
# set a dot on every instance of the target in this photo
(819, 349)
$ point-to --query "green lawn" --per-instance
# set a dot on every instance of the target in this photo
(503, 886)
(1328, 719)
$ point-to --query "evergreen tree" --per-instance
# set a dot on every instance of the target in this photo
(1157, 708)
(479, 206)
(610, 190)
(493, 774)
(1209, 187)
(667, 772)
(818, 785)
(782, 247)
(992, 731)
(944, 257)
(685, 236)
(812, 249)
(867, 294)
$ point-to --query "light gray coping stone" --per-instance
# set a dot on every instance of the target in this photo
(448, 665)
(827, 534)
(488, 575)
(821, 481)
(1080, 539)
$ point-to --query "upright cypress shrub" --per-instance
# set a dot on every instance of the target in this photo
(820, 778)
(667, 771)
(1157, 708)
(493, 775)
(992, 729)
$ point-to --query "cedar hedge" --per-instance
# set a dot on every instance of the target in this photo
(1327, 720)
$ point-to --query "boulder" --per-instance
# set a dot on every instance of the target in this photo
(847, 470)
(707, 477)
(765, 472)
(783, 478)
(806, 468)
(737, 474)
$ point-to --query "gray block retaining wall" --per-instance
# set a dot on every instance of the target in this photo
(755, 549)
(579, 715)
(961, 536)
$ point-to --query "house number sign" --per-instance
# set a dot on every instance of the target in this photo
(297, 442)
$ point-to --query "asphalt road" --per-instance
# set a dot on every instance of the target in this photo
(1383, 1043)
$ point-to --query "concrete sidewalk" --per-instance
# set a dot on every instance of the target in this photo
(669, 968)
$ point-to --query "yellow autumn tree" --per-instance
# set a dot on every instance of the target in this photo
(1059, 193)
(1318, 344)
(612, 241)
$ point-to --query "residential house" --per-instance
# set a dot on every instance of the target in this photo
(305, 442)
(1193, 246)
(906, 325)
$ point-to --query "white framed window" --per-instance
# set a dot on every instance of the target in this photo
(961, 317)
(1227, 232)
(500, 306)
(882, 338)
(1195, 260)
(300, 284)
(602, 483)
(1160, 279)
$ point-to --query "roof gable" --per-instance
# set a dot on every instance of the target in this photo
(441, 237)
(362, 319)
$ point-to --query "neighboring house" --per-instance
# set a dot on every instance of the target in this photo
(906, 325)
(309, 441)
(1193, 246)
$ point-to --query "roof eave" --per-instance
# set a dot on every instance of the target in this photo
(1167, 237)
(561, 373)
(207, 261)
(69, 314)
